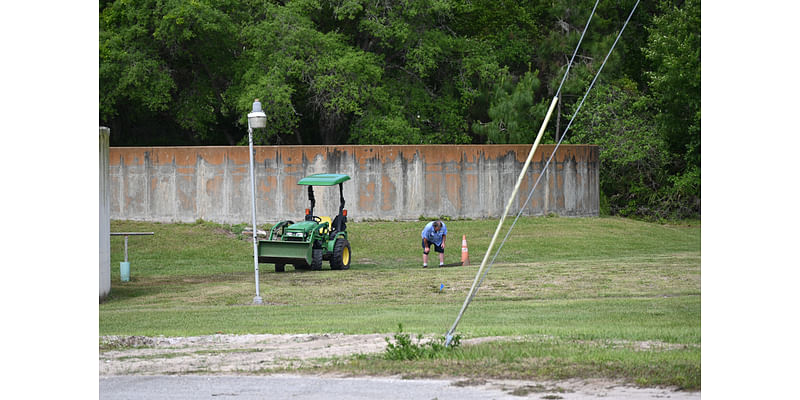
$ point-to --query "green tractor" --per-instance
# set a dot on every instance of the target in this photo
(306, 244)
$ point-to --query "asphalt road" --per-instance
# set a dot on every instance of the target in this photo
(285, 387)
(314, 387)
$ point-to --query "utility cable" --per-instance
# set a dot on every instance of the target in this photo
(569, 65)
(477, 283)
(591, 85)
(474, 287)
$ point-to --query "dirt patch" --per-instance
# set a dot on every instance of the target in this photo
(231, 354)
(120, 355)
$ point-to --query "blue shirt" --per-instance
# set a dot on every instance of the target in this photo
(432, 235)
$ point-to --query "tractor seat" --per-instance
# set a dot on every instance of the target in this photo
(333, 226)
(325, 219)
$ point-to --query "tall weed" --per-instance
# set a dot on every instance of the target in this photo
(406, 348)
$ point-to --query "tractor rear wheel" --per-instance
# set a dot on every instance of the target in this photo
(341, 254)
(316, 259)
(280, 267)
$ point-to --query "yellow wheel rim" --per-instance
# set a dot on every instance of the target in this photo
(346, 256)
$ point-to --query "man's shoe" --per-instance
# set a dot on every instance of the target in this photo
(424, 265)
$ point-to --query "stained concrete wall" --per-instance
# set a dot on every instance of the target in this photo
(388, 182)
(105, 215)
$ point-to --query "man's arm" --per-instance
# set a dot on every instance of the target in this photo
(444, 239)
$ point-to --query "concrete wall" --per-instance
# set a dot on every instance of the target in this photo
(105, 222)
(388, 182)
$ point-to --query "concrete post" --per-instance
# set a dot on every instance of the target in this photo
(105, 220)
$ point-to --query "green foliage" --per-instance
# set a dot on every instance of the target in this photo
(515, 115)
(511, 28)
(352, 71)
(632, 154)
(379, 128)
(386, 121)
(168, 60)
(131, 69)
(287, 59)
(406, 348)
(682, 197)
(673, 47)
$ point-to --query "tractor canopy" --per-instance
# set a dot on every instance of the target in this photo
(323, 179)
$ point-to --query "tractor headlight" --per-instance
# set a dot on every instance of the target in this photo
(294, 234)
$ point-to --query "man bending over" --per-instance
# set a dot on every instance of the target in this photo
(434, 234)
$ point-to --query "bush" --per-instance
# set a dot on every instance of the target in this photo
(404, 348)
(634, 157)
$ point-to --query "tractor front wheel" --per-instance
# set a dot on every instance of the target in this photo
(341, 254)
(316, 259)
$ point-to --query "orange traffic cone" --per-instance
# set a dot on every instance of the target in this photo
(464, 251)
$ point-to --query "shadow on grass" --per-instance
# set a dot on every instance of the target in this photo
(127, 290)
(139, 287)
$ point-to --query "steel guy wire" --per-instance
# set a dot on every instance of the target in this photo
(522, 208)
(591, 85)
(478, 282)
(569, 65)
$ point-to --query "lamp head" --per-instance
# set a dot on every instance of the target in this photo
(257, 118)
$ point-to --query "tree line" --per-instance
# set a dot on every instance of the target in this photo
(176, 72)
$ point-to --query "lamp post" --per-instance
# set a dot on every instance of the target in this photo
(256, 119)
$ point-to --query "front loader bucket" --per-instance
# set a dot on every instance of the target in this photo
(284, 252)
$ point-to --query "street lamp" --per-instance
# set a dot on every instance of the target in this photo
(256, 119)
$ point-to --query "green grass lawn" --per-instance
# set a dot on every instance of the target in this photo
(583, 296)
